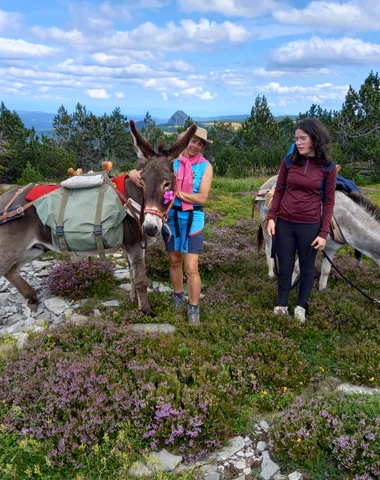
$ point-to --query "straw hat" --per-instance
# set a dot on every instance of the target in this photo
(199, 133)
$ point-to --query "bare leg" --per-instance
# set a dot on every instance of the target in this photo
(193, 278)
(13, 276)
(176, 271)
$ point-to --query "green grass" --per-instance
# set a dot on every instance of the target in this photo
(249, 361)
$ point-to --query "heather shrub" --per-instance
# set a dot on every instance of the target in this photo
(359, 363)
(79, 279)
(343, 431)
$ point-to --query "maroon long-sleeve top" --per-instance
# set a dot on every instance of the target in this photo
(305, 194)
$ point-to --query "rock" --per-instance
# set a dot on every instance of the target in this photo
(22, 338)
(126, 286)
(152, 328)
(240, 465)
(122, 274)
(264, 425)
(138, 469)
(261, 446)
(234, 445)
(348, 388)
(295, 476)
(77, 319)
(111, 303)
(269, 469)
(209, 468)
(163, 461)
(56, 305)
(212, 476)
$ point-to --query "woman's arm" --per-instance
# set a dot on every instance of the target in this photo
(279, 192)
(204, 189)
(328, 202)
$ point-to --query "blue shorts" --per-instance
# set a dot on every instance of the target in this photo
(193, 243)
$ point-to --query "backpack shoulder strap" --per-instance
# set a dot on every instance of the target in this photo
(288, 160)
(329, 167)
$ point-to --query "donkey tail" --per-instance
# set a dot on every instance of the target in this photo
(259, 239)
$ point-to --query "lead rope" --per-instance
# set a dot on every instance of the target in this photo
(368, 297)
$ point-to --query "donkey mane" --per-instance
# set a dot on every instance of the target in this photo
(364, 202)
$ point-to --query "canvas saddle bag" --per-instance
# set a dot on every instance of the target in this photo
(85, 215)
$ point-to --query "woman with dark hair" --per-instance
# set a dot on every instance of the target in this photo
(303, 205)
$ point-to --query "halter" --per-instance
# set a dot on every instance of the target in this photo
(164, 215)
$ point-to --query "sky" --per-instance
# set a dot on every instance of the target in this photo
(205, 57)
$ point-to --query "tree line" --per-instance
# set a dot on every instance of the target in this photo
(82, 139)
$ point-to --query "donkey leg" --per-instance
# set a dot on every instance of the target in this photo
(136, 258)
(296, 271)
(268, 252)
(330, 249)
(13, 276)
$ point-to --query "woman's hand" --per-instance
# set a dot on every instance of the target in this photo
(271, 228)
(319, 243)
(135, 176)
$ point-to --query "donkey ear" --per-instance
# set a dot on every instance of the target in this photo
(143, 149)
(181, 144)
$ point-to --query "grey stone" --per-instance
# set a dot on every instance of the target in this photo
(269, 469)
(264, 425)
(240, 477)
(208, 468)
(240, 465)
(22, 338)
(164, 289)
(295, 476)
(77, 319)
(56, 305)
(96, 313)
(212, 476)
(348, 388)
(111, 303)
(126, 286)
(138, 470)
(122, 274)
(163, 461)
(152, 328)
(261, 446)
(234, 445)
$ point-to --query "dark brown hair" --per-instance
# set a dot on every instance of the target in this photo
(320, 138)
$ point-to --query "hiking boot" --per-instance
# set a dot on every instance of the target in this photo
(179, 301)
(280, 310)
(300, 314)
(193, 315)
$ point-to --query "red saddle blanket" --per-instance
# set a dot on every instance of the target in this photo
(41, 190)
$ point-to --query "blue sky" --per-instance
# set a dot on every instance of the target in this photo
(206, 57)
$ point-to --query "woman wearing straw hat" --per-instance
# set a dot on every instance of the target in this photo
(186, 221)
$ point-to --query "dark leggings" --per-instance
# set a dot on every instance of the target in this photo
(292, 237)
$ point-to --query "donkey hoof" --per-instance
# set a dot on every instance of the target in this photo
(149, 312)
(33, 304)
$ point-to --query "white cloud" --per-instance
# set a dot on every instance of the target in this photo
(356, 15)
(189, 35)
(324, 91)
(120, 95)
(317, 52)
(43, 89)
(69, 66)
(239, 8)
(72, 37)
(178, 66)
(164, 96)
(9, 20)
(16, 49)
(200, 93)
(97, 93)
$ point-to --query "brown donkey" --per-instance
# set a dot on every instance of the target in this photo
(25, 238)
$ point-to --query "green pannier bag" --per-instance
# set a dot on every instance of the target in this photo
(84, 219)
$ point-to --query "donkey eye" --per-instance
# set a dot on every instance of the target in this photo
(167, 185)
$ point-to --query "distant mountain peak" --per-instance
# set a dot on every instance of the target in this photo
(178, 119)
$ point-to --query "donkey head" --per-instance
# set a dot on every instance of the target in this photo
(157, 175)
